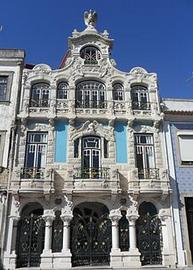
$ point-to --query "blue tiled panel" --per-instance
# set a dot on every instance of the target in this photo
(184, 175)
(61, 129)
(121, 142)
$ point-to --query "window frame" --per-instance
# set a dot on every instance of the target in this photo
(144, 89)
(2, 145)
(63, 90)
(97, 56)
(9, 75)
(38, 100)
(183, 133)
(118, 92)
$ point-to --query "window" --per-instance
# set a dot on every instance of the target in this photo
(40, 95)
(91, 149)
(62, 90)
(186, 146)
(2, 143)
(145, 161)
(91, 55)
(140, 98)
(5, 85)
(90, 94)
(118, 93)
(36, 150)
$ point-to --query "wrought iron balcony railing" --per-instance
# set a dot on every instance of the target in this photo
(91, 104)
(148, 173)
(92, 173)
(32, 173)
(136, 105)
(39, 103)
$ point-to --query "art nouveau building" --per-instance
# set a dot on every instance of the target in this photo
(178, 129)
(90, 183)
(11, 65)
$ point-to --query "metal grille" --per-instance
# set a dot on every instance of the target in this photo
(57, 233)
(30, 241)
(90, 239)
(124, 233)
(149, 239)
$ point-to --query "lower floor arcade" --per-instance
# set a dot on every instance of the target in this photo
(63, 233)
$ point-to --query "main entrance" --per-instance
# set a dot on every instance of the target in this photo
(30, 236)
(90, 235)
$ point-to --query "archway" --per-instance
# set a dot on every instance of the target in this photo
(90, 235)
(30, 236)
(149, 239)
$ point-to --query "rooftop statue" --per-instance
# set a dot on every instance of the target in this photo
(90, 18)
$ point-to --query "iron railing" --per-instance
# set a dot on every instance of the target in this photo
(32, 173)
(44, 102)
(148, 173)
(91, 104)
(92, 173)
(136, 105)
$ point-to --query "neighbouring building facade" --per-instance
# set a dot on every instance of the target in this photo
(178, 129)
(11, 66)
(90, 183)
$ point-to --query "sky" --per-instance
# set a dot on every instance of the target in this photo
(154, 34)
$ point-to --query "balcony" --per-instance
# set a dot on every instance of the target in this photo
(151, 180)
(39, 180)
(91, 106)
(91, 180)
(148, 173)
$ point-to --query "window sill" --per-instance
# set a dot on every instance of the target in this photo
(5, 102)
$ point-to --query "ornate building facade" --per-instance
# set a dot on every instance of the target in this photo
(89, 184)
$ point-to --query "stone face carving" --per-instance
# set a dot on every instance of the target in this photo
(90, 18)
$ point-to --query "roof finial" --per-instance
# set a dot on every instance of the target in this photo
(90, 18)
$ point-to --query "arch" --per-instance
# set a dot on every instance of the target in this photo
(39, 94)
(149, 238)
(91, 55)
(90, 94)
(140, 96)
(90, 234)
(118, 91)
(62, 90)
(30, 236)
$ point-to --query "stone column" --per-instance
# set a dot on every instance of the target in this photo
(10, 253)
(133, 255)
(46, 256)
(116, 260)
(66, 232)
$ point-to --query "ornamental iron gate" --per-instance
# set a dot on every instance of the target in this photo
(90, 236)
(57, 233)
(30, 239)
(149, 238)
(124, 232)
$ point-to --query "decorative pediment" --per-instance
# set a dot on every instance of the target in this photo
(92, 128)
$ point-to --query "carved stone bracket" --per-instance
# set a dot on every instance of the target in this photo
(115, 215)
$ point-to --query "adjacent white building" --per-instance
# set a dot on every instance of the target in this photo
(90, 183)
(11, 66)
(178, 130)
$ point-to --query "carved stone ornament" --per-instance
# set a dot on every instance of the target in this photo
(115, 215)
(138, 70)
(92, 128)
(67, 210)
(90, 18)
(133, 208)
(42, 67)
(164, 214)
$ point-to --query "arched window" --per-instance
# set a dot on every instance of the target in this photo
(140, 97)
(90, 94)
(62, 90)
(118, 93)
(91, 55)
(39, 95)
(149, 238)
